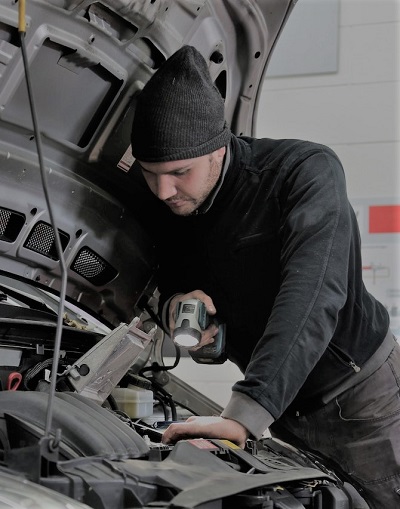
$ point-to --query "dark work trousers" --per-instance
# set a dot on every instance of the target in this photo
(359, 431)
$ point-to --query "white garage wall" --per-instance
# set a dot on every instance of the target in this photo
(355, 111)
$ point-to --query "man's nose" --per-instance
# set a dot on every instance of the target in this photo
(165, 187)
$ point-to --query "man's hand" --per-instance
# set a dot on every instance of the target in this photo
(207, 427)
(207, 336)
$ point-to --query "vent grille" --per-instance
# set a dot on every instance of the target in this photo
(41, 240)
(93, 267)
(11, 224)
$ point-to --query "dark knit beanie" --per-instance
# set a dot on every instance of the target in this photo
(180, 112)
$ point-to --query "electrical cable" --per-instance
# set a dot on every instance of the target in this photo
(31, 373)
(163, 396)
(156, 367)
(154, 317)
(59, 250)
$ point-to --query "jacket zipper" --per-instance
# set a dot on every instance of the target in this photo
(354, 366)
(343, 357)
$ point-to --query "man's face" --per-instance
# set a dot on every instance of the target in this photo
(184, 185)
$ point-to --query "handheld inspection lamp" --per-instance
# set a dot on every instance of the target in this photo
(191, 320)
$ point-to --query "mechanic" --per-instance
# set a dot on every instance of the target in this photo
(262, 232)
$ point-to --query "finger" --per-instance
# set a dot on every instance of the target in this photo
(203, 342)
(200, 295)
(207, 301)
(176, 432)
(208, 337)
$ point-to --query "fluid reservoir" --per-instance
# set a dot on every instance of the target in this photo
(135, 400)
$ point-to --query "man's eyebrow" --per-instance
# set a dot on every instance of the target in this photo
(173, 170)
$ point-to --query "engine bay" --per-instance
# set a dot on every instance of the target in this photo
(104, 445)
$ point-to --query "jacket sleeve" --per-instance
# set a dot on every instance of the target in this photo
(249, 413)
(315, 232)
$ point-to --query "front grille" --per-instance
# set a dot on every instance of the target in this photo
(93, 267)
(11, 223)
(42, 240)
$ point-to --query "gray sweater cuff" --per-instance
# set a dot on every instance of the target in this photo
(248, 413)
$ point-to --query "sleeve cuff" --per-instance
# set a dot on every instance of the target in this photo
(255, 418)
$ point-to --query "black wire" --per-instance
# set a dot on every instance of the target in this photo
(164, 395)
(112, 402)
(156, 367)
(174, 415)
(154, 317)
(163, 406)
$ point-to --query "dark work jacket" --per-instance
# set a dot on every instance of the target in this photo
(279, 254)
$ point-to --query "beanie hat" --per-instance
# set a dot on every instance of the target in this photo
(180, 112)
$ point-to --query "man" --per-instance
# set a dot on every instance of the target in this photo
(262, 232)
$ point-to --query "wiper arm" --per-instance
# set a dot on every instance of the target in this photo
(25, 298)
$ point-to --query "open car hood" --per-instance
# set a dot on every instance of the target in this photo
(87, 62)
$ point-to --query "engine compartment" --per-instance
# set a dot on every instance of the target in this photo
(108, 462)
(92, 452)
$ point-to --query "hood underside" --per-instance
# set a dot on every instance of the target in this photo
(87, 61)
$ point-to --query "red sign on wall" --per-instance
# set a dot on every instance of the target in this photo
(384, 219)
